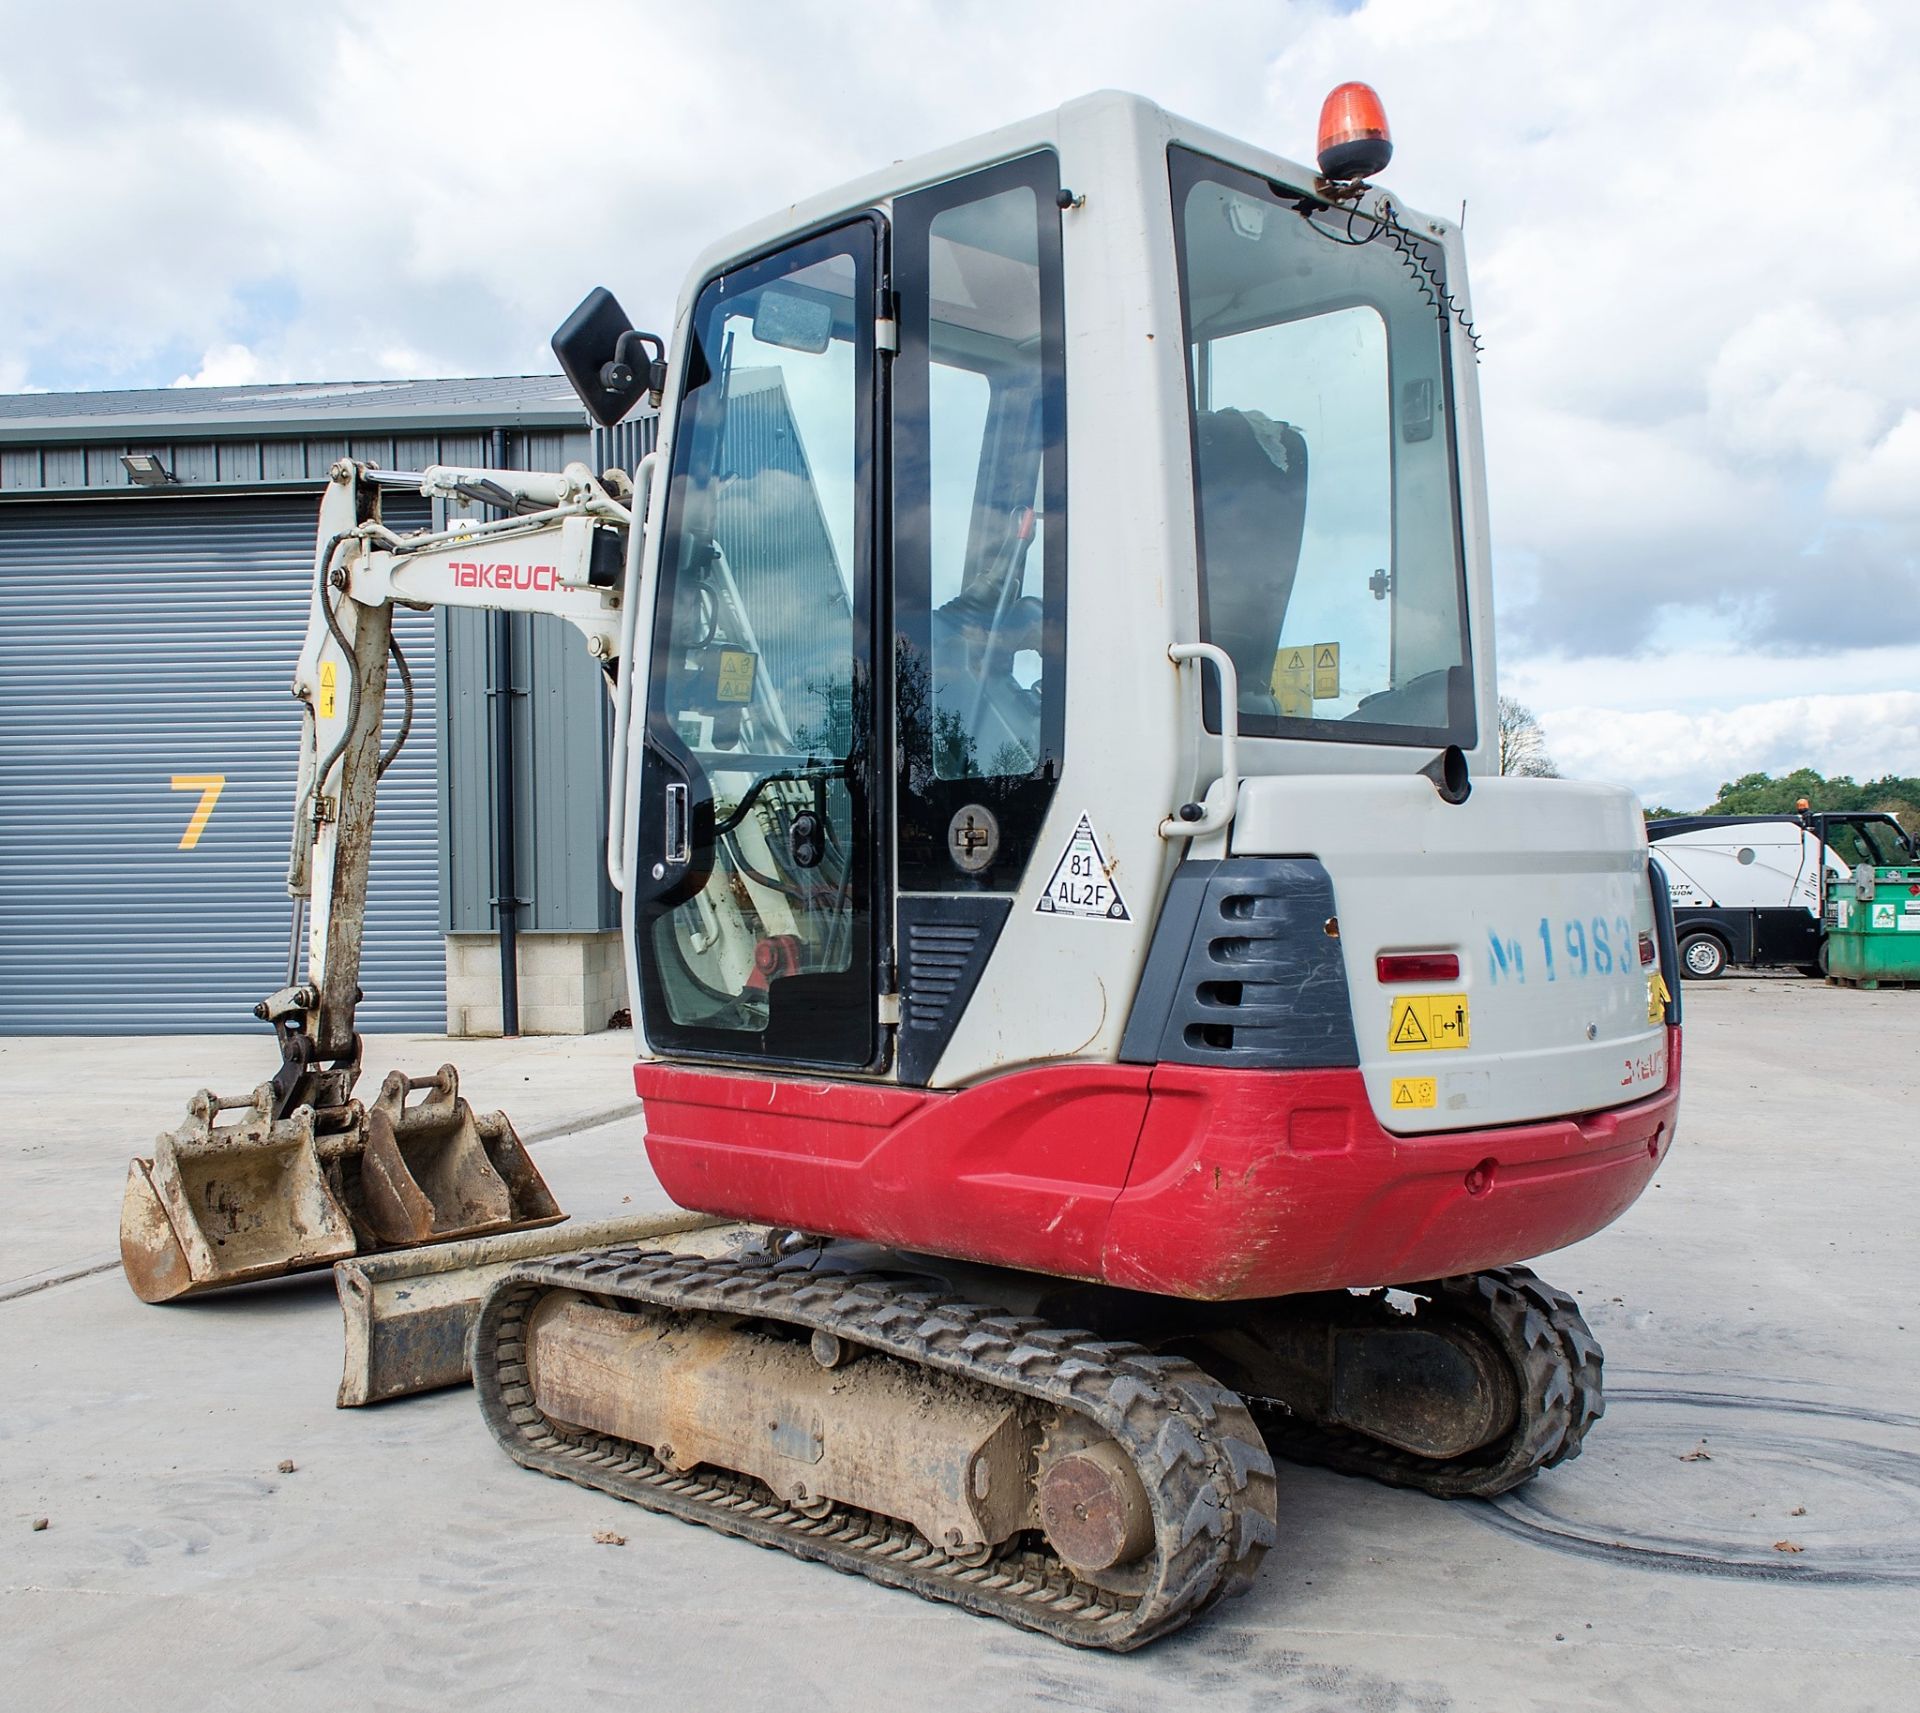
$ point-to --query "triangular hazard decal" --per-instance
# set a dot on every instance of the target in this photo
(1403, 1094)
(1407, 1032)
(1296, 661)
(1326, 658)
(1082, 884)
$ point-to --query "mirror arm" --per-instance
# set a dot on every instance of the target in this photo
(639, 359)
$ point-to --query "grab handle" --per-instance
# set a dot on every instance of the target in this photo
(1196, 819)
(617, 816)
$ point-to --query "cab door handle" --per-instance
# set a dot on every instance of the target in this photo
(679, 826)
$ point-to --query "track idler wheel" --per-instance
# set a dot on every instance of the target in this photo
(1093, 1509)
(1493, 1377)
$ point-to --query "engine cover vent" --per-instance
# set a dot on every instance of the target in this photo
(1243, 972)
(945, 944)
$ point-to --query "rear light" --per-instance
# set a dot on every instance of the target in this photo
(1646, 951)
(1416, 966)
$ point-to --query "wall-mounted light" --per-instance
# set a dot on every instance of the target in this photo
(145, 470)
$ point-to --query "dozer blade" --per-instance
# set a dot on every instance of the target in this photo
(222, 1204)
(407, 1315)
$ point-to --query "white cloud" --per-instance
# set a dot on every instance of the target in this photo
(1886, 482)
(1702, 676)
(1694, 232)
(1678, 758)
(1792, 382)
(228, 366)
(1681, 720)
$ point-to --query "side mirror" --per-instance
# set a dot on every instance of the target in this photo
(608, 364)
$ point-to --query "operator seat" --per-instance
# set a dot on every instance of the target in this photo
(1251, 473)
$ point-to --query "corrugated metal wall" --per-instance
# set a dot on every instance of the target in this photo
(148, 640)
(562, 722)
(622, 446)
(562, 728)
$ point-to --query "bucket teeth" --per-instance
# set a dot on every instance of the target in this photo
(258, 1196)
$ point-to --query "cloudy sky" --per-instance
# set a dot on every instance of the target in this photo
(1694, 233)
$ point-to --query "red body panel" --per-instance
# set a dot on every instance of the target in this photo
(1190, 1182)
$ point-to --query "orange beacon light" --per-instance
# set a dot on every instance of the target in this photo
(1354, 140)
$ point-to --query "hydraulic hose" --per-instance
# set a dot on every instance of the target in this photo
(406, 712)
(324, 568)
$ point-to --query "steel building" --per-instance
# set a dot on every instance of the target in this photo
(156, 552)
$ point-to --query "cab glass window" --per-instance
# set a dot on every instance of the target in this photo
(760, 707)
(1324, 482)
(980, 523)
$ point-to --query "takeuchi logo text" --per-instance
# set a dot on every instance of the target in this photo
(469, 574)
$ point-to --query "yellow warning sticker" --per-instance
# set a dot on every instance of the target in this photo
(1295, 701)
(735, 682)
(1410, 1092)
(329, 687)
(1293, 677)
(1326, 671)
(1657, 997)
(1425, 1022)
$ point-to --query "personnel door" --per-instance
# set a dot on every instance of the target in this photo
(757, 874)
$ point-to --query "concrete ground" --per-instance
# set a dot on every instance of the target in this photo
(1760, 1306)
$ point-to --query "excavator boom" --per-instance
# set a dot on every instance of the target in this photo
(307, 1175)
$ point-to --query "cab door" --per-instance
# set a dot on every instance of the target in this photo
(760, 883)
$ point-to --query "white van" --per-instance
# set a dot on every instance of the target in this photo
(1752, 889)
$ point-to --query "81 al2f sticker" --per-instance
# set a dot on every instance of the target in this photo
(1081, 885)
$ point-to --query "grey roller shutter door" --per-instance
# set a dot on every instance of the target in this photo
(149, 641)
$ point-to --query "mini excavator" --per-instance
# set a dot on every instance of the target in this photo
(1070, 906)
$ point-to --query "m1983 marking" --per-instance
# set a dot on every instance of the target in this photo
(1569, 948)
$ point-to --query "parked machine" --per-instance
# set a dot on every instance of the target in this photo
(1872, 911)
(1069, 899)
(1772, 890)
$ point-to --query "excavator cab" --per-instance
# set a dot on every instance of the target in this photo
(1062, 551)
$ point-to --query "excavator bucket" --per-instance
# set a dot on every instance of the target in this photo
(259, 1195)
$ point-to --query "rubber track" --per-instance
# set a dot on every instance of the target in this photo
(1194, 1443)
(1556, 1363)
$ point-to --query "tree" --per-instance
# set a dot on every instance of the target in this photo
(1523, 745)
(1762, 794)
